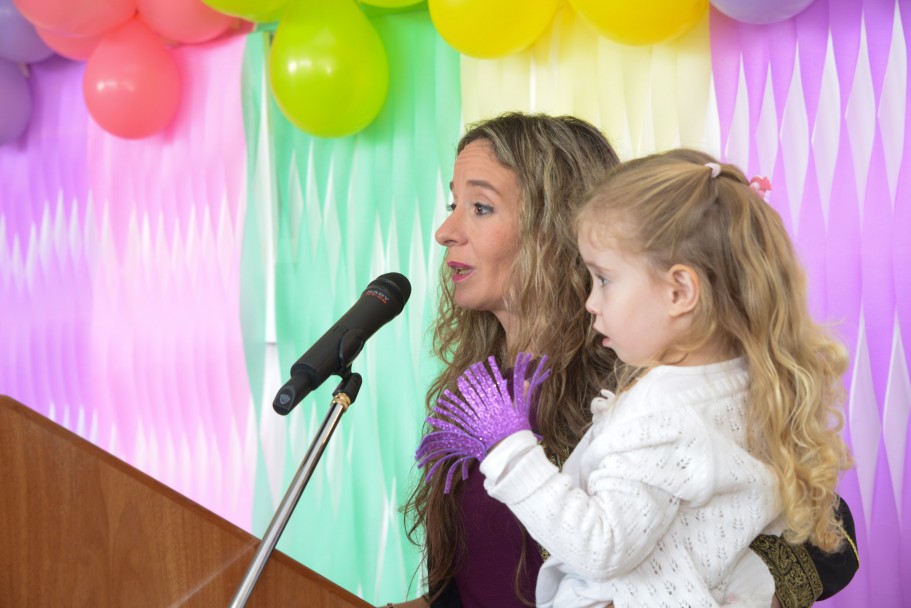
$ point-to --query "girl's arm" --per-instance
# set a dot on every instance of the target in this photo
(594, 531)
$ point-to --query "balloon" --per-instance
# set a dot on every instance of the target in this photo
(79, 48)
(131, 83)
(491, 28)
(328, 67)
(391, 3)
(184, 21)
(15, 102)
(767, 11)
(260, 11)
(641, 22)
(19, 42)
(76, 17)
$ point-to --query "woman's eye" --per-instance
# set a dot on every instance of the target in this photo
(450, 207)
(482, 209)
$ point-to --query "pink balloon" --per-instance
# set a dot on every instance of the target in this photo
(131, 83)
(185, 21)
(76, 17)
(72, 47)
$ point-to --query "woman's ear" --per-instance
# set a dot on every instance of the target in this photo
(683, 283)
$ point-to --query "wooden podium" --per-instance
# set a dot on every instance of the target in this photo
(80, 528)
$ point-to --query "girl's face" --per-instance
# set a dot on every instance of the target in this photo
(631, 303)
(481, 234)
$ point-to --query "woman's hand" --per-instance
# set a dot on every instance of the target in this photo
(418, 603)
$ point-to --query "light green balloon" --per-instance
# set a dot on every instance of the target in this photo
(328, 68)
(259, 11)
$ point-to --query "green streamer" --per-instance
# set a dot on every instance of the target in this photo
(347, 210)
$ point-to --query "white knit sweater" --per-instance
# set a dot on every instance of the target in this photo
(658, 503)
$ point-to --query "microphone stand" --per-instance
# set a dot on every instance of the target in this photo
(343, 396)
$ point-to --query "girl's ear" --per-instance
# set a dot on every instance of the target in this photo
(683, 283)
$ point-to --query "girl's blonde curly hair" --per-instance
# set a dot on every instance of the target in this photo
(669, 208)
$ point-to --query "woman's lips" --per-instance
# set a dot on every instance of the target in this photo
(460, 271)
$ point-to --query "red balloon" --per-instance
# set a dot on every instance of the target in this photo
(131, 83)
(76, 17)
(72, 47)
(185, 21)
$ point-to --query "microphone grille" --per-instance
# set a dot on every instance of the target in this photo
(395, 283)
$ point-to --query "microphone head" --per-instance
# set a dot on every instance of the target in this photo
(394, 286)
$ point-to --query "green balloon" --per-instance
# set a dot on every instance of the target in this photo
(260, 11)
(328, 68)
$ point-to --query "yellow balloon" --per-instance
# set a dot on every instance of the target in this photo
(491, 28)
(260, 11)
(328, 68)
(640, 22)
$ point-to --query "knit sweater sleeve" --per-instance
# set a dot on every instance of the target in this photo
(632, 475)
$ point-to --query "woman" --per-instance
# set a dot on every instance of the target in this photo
(513, 281)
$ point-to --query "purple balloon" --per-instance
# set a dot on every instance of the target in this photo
(15, 102)
(19, 42)
(760, 12)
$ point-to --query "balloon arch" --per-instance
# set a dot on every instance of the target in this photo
(132, 86)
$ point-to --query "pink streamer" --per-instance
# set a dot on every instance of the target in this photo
(121, 279)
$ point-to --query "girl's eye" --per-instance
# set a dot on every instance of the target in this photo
(603, 281)
(482, 209)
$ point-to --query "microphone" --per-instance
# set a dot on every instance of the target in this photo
(384, 298)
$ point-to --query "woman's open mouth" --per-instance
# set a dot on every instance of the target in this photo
(460, 272)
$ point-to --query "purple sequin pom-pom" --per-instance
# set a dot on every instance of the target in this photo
(466, 426)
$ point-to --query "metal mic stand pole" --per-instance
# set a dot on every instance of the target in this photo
(344, 395)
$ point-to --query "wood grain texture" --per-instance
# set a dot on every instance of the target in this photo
(78, 527)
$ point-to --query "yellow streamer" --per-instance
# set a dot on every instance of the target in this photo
(645, 98)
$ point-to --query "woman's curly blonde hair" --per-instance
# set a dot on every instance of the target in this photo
(556, 160)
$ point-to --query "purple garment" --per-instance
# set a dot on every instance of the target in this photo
(493, 542)
(493, 545)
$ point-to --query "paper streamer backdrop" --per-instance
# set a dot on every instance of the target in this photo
(154, 293)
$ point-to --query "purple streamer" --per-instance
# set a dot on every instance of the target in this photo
(847, 234)
(782, 44)
(845, 25)
(879, 18)
(878, 295)
(810, 242)
(843, 280)
(725, 68)
(883, 559)
(812, 41)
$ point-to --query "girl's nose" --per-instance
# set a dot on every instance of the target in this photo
(590, 303)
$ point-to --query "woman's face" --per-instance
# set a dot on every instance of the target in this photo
(481, 234)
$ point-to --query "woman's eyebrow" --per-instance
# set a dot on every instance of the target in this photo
(479, 183)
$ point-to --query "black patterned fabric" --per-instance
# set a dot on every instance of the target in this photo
(804, 574)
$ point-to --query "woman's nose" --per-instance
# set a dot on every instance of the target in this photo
(450, 231)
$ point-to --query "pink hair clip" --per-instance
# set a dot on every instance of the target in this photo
(762, 186)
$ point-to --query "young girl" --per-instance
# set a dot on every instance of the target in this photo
(725, 424)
